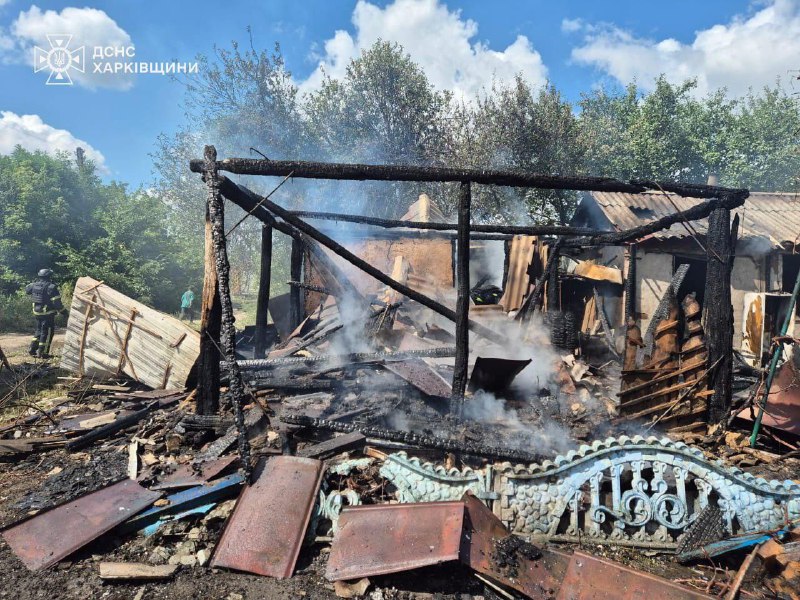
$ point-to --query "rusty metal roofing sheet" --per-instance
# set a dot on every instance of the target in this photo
(589, 577)
(536, 577)
(771, 216)
(56, 533)
(266, 529)
(387, 538)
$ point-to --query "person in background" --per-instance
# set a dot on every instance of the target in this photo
(186, 305)
(46, 304)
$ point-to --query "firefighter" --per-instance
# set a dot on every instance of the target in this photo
(46, 304)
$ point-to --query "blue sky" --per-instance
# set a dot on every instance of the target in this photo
(575, 44)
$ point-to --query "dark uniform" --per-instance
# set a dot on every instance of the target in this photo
(46, 304)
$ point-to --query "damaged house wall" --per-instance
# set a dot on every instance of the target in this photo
(769, 225)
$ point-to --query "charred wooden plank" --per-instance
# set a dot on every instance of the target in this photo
(333, 446)
(207, 370)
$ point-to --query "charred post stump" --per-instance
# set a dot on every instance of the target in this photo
(719, 312)
(228, 329)
(462, 300)
(264, 281)
(296, 304)
(210, 321)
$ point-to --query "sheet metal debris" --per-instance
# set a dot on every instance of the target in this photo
(186, 500)
(590, 577)
(48, 537)
(495, 374)
(387, 538)
(421, 376)
(266, 529)
(191, 475)
(538, 578)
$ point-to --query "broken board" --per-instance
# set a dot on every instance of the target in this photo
(109, 334)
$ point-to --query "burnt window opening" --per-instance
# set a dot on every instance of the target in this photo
(695, 280)
(693, 283)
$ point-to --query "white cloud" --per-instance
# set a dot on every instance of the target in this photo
(437, 39)
(89, 27)
(749, 51)
(571, 25)
(30, 132)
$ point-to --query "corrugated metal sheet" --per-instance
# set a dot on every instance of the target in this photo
(518, 283)
(774, 217)
(105, 336)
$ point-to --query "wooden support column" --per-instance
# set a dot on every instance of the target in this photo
(236, 391)
(462, 300)
(719, 312)
(264, 281)
(296, 294)
(552, 282)
(630, 285)
(210, 322)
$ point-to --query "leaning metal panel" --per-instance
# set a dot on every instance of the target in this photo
(642, 492)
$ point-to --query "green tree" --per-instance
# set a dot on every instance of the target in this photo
(56, 214)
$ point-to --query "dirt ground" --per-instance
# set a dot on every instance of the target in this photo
(16, 344)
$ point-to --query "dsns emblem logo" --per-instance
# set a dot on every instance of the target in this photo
(59, 59)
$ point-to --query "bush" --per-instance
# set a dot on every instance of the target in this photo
(15, 312)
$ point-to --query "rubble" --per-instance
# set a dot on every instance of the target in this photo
(401, 441)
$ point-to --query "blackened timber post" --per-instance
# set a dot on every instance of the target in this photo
(630, 285)
(719, 312)
(553, 279)
(296, 295)
(228, 330)
(264, 282)
(462, 300)
(210, 322)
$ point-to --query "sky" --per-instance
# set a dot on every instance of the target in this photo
(116, 116)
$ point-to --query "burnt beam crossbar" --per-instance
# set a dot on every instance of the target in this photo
(361, 172)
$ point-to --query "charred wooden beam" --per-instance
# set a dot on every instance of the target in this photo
(459, 385)
(630, 285)
(504, 229)
(228, 329)
(349, 359)
(264, 282)
(311, 288)
(249, 201)
(296, 295)
(728, 200)
(359, 172)
(414, 439)
(719, 312)
(210, 323)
